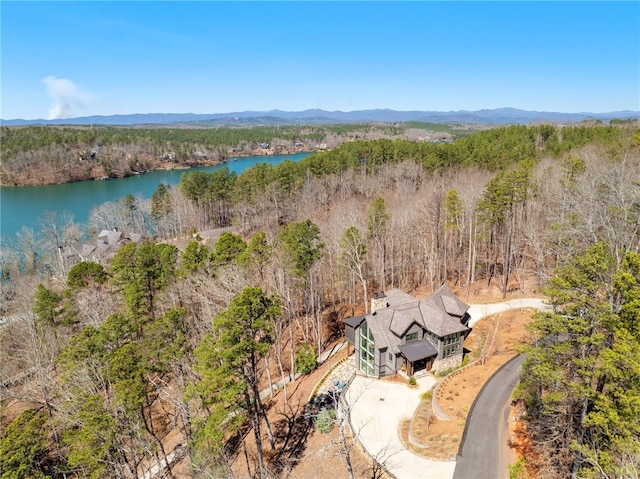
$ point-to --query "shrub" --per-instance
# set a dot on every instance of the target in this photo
(427, 395)
(306, 359)
(325, 420)
(518, 392)
(412, 381)
(518, 470)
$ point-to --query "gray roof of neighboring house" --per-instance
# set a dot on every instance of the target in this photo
(112, 236)
(135, 237)
(71, 251)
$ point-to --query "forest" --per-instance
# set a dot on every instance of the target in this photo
(176, 334)
(42, 155)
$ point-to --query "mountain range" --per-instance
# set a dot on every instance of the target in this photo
(278, 117)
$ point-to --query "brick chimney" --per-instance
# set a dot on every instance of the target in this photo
(378, 301)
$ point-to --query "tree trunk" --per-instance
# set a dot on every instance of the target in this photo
(282, 375)
(507, 254)
(346, 449)
(266, 368)
(365, 293)
(255, 425)
(246, 456)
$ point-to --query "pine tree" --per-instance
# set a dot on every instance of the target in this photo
(583, 375)
(227, 362)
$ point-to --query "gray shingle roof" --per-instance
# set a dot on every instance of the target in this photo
(111, 236)
(401, 320)
(379, 326)
(444, 312)
(450, 302)
(396, 297)
(440, 313)
(437, 320)
(354, 321)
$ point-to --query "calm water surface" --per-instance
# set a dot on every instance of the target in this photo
(23, 206)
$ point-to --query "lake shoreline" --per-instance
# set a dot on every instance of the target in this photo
(25, 205)
(166, 166)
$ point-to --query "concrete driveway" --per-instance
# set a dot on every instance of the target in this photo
(377, 407)
(479, 311)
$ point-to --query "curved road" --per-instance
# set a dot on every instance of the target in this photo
(484, 451)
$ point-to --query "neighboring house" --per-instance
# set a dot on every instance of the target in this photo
(403, 333)
(103, 248)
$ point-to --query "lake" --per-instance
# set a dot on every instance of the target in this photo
(23, 206)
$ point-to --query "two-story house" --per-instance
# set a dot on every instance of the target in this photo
(402, 333)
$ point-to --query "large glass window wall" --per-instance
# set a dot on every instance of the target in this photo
(367, 350)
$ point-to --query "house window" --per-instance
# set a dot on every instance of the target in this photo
(367, 349)
(450, 350)
(390, 358)
(433, 337)
(454, 339)
(411, 337)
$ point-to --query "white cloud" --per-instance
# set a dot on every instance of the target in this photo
(66, 97)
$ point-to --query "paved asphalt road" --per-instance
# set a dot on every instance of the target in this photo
(484, 453)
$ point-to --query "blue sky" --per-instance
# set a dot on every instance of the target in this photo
(68, 59)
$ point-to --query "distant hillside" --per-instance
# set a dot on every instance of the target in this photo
(278, 117)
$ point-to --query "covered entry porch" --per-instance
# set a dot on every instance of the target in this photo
(419, 356)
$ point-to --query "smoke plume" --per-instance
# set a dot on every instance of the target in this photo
(66, 97)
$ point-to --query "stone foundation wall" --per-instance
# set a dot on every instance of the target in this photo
(447, 363)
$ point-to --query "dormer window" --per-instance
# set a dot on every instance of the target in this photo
(411, 337)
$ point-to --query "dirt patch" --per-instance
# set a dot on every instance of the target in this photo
(522, 445)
